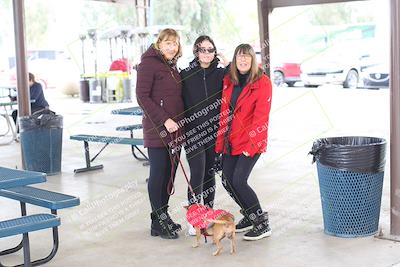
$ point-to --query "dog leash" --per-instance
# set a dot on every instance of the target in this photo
(174, 156)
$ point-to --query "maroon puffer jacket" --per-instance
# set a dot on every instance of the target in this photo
(159, 94)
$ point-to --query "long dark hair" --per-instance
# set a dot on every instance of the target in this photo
(198, 41)
(255, 72)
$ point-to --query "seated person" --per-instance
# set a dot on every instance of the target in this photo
(36, 93)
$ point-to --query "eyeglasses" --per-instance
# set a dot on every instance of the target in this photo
(170, 43)
(206, 50)
(243, 56)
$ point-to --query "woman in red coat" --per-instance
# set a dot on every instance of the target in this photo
(159, 94)
(242, 136)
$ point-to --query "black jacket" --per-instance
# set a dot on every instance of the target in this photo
(36, 93)
(202, 92)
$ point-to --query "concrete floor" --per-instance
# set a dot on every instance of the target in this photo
(111, 226)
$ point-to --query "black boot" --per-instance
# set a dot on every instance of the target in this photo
(160, 226)
(244, 224)
(260, 228)
(176, 227)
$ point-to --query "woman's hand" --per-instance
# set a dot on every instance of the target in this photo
(246, 153)
(223, 59)
(171, 125)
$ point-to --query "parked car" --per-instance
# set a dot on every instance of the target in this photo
(376, 76)
(50, 73)
(284, 72)
(337, 65)
(288, 73)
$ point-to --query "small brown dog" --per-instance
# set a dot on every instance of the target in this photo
(215, 223)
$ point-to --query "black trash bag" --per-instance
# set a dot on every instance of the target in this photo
(351, 153)
(44, 118)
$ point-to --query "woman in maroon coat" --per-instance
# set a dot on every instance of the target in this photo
(159, 94)
(242, 136)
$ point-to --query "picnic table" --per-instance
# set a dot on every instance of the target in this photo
(136, 111)
(13, 178)
(4, 106)
(133, 142)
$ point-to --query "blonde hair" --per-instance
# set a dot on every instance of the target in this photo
(169, 34)
(255, 72)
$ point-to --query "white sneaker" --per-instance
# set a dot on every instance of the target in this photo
(191, 230)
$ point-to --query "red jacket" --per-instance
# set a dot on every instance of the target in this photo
(201, 216)
(249, 129)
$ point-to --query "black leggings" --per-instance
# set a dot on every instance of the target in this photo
(160, 173)
(235, 173)
(202, 176)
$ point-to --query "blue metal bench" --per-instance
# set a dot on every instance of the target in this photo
(134, 142)
(13, 178)
(24, 225)
(43, 198)
(131, 128)
(133, 111)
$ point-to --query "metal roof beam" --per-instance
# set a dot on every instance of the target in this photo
(287, 3)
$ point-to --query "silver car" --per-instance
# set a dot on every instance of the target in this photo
(335, 65)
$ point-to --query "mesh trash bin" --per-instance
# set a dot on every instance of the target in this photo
(350, 174)
(41, 142)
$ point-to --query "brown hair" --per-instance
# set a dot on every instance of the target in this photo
(255, 72)
(199, 40)
(167, 34)
(31, 77)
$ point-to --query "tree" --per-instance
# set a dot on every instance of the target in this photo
(96, 15)
(36, 23)
(339, 13)
(196, 16)
(6, 20)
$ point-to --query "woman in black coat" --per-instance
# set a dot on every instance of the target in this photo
(36, 94)
(202, 90)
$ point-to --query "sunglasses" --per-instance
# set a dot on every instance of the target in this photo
(206, 50)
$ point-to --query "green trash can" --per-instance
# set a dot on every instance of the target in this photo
(41, 142)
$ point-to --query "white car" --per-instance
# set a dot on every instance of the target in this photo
(335, 65)
(49, 73)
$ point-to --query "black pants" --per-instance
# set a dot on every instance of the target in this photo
(235, 173)
(202, 176)
(160, 174)
(14, 115)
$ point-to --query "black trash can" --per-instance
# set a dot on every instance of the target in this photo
(84, 91)
(350, 173)
(41, 142)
